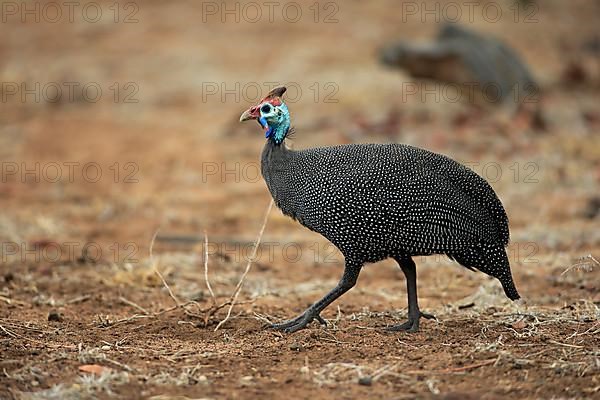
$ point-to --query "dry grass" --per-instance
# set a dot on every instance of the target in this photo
(548, 341)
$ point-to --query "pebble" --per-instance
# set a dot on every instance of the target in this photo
(296, 346)
(54, 316)
(247, 380)
(365, 381)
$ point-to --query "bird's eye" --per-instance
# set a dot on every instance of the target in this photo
(266, 108)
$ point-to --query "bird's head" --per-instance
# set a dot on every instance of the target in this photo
(272, 114)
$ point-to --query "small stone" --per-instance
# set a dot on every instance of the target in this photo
(247, 380)
(365, 381)
(105, 347)
(54, 316)
(296, 346)
(520, 324)
(592, 209)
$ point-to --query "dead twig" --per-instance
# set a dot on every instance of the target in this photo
(134, 305)
(565, 344)
(586, 263)
(9, 333)
(119, 364)
(154, 265)
(208, 312)
(468, 367)
(212, 294)
(79, 299)
(333, 339)
(15, 335)
(238, 288)
(264, 318)
(453, 370)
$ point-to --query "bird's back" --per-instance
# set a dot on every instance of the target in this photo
(378, 199)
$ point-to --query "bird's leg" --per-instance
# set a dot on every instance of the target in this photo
(414, 314)
(347, 282)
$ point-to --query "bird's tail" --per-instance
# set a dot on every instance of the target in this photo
(499, 267)
(492, 260)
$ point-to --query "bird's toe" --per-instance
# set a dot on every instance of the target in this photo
(428, 316)
(296, 327)
(408, 326)
(284, 325)
(300, 322)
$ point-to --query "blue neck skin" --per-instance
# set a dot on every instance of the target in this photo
(277, 130)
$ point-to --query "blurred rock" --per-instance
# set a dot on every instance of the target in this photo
(464, 57)
(592, 209)
(54, 316)
(365, 381)
(574, 74)
(592, 45)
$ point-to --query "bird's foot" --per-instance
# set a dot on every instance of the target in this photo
(300, 322)
(412, 325)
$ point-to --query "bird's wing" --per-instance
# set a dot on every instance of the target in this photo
(441, 217)
(420, 198)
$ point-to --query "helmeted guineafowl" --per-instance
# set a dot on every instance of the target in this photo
(375, 201)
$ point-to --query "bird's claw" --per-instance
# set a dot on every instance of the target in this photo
(412, 325)
(300, 322)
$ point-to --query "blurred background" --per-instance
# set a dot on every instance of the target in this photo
(120, 119)
(151, 94)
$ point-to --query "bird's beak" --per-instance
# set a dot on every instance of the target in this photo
(250, 113)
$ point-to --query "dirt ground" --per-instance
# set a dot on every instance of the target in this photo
(86, 185)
